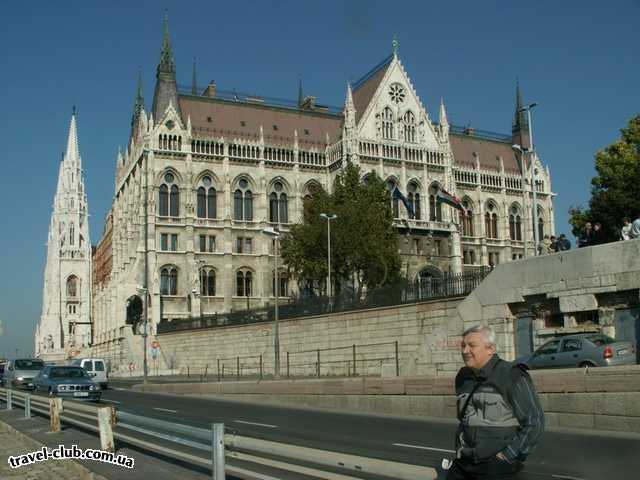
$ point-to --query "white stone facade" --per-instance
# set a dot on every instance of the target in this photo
(195, 145)
(64, 327)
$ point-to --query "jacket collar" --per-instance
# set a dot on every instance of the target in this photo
(485, 372)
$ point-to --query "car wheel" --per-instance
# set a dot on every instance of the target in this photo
(586, 364)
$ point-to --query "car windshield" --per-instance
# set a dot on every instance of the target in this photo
(599, 340)
(29, 365)
(68, 372)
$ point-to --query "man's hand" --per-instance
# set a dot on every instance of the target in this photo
(502, 458)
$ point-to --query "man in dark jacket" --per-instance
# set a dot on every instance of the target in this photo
(499, 412)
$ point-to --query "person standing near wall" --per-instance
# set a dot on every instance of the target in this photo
(500, 416)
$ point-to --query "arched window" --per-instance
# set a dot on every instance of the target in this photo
(244, 283)
(243, 202)
(414, 199)
(278, 204)
(168, 281)
(206, 199)
(72, 234)
(72, 286)
(491, 221)
(409, 120)
(207, 282)
(515, 223)
(435, 207)
(540, 223)
(174, 201)
(163, 200)
(169, 197)
(283, 279)
(387, 123)
(395, 206)
(467, 220)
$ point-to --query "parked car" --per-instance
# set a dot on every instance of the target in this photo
(96, 368)
(19, 373)
(67, 381)
(581, 350)
(2, 365)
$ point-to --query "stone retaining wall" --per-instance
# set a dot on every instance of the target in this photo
(601, 399)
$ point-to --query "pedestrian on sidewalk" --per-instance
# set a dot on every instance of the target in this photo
(498, 409)
(625, 231)
(586, 236)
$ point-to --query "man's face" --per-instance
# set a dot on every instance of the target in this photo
(475, 351)
(587, 226)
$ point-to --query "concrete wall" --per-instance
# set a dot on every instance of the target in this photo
(421, 330)
(599, 279)
(595, 399)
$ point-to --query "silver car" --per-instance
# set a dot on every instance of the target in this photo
(581, 350)
(19, 373)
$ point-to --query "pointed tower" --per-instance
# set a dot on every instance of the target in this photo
(166, 91)
(349, 132)
(64, 327)
(138, 109)
(444, 122)
(520, 127)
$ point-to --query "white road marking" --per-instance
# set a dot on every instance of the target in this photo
(258, 424)
(111, 401)
(424, 448)
(165, 410)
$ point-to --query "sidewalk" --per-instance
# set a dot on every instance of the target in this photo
(19, 436)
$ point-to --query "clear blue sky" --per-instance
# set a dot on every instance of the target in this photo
(578, 59)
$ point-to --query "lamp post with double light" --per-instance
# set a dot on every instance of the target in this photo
(328, 218)
(532, 171)
(275, 234)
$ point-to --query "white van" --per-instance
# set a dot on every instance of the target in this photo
(96, 368)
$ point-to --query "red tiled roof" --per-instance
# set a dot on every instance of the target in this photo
(363, 93)
(226, 118)
(463, 147)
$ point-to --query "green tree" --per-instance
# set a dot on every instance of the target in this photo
(364, 245)
(615, 190)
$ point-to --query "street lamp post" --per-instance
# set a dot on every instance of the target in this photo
(275, 233)
(532, 158)
(328, 218)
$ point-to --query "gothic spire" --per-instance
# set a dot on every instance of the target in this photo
(443, 114)
(520, 119)
(166, 91)
(194, 85)
(167, 62)
(72, 155)
(349, 112)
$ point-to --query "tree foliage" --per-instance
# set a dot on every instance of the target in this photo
(364, 245)
(615, 190)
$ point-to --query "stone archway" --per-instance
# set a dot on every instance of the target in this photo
(429, 282)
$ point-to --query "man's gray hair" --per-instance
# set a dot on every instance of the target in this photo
(486, 331)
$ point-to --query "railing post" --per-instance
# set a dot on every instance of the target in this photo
(287, 364)
(260, 366)
(397, 361)
(55, 408)
(188, 376)
(318, 363)
(238, 368)
(27, 406)
(354, 359)
(106, 419)
(206, 369)
(217, 454)
(218, 370)
(9, 400)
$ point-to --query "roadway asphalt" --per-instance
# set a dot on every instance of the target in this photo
(561, 454)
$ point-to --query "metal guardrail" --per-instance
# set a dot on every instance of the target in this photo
(218, 444)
